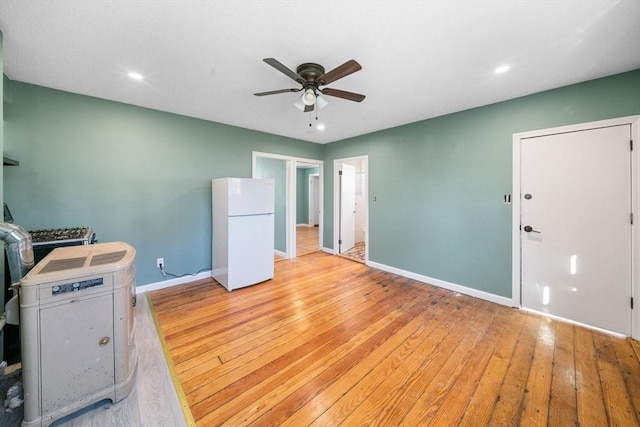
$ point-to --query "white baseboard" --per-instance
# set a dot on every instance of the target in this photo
(172, 282)
(280, 253)
(446, 285)
(328, 250)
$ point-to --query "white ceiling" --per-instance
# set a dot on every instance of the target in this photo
(420, 59)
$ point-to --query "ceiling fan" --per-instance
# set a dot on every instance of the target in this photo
(311, 76)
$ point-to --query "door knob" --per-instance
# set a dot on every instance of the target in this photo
(529, 229)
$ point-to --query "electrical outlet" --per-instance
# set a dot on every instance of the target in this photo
(160, 262)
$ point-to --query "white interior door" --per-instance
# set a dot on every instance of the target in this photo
(347, 207)
(576, 228)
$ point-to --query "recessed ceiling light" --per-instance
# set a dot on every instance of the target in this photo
(502, 69)
(135, 76)
(320, 126)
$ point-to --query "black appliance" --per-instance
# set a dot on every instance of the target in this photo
(44, 241)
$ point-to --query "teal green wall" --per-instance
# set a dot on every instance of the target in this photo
(302, 198)
(276, 169)
(6, 94)
(439, 183)
(133, 174)
(143, 176)
(302, 193)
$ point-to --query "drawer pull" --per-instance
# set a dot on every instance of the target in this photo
(104, 341)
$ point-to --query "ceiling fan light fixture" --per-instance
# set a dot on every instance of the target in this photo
(321, 102)
(299, 104)
(309, 97)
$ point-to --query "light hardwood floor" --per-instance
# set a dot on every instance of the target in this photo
(331, 342)
(307, 239)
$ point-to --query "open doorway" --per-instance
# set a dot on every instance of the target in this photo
(307, 208)
(351, 210)
(277, 168)
(291, 176)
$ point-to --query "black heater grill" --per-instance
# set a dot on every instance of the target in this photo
(44, 241)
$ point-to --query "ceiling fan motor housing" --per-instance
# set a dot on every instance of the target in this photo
(310, 72)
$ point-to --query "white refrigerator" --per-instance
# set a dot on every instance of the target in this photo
(242, 244)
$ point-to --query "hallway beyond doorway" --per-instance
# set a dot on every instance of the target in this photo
(307, 240)
(356, 253)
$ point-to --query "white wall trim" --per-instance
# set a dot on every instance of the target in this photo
(634, 121)
(173, 282)
(280, 253)
(328, 250)
(443, 284)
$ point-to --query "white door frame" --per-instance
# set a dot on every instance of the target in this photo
(634, 121)
(312, 203)
(290, 221)
(336, 201)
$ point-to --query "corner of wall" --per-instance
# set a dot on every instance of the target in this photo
(6, 89)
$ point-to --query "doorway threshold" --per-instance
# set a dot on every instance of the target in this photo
(357, 253)
(350, 258)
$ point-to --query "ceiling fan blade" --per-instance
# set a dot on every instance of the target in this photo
(283, 69)
(308, 108)
(349, 67)
(343, 94)
(273, 92)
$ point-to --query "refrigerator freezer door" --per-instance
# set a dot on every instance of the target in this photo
(250, 250)
(250, 196)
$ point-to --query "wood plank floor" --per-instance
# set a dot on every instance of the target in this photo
(307, 240)
(332, 342)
